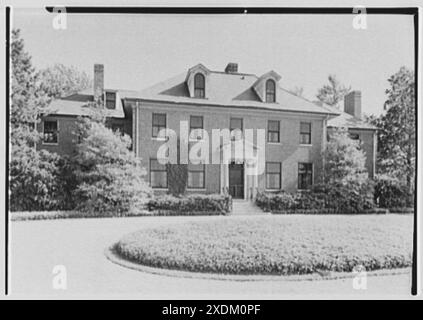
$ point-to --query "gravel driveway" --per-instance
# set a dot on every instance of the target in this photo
(79, 244)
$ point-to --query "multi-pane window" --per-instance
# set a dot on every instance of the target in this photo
(305, 133)
(159, 123)
(118, 127)
(273, 175)
(196, 176)
(354, 136)
(196, 123)
(273, 128)
(110, 100)
(305, 176)
(236, 124)
(270, 91)
(158, 174)
(199, 86)
(50, 132)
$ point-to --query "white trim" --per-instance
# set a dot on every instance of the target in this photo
(306, 145)
(196, 189)
(159, 189)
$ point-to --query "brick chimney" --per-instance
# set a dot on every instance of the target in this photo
(231, 67)
(98, 81)
(352, 104)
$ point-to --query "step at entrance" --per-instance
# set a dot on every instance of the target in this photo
(246, 207)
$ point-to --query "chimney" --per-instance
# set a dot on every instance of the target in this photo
(352, 104)
(231, 67)
(98, 81)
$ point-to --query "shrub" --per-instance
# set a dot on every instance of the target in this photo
(34, 181)
(109, 176)
(177, 177)
(195, 203)
(392, 193)
(275, 201)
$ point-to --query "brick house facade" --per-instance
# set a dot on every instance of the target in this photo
(296, 129)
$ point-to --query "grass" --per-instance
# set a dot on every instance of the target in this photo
(280, 245)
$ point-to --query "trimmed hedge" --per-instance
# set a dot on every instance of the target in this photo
(193, 204)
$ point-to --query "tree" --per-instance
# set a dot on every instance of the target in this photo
(332, 93)
(32, 174)
(346, 184)
(109, 176)
(397, 129)
(60, 81)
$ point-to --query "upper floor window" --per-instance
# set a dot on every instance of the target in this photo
(305, 133)
(159, 123)
(236, 127)
(199, 86)
(110, 100)
(50, 131)
(270, 91)
(273, 128)
(196, 124)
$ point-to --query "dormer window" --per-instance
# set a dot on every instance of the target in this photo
(110, 100)
(270, 91)
(199, 86)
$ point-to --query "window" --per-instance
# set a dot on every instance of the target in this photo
(273, 175)
(305, 176)
(199, 86)
(354, 136)
(236, 124)
(118, 127)
(158, 174)
(270, 91)
(273, 131)
(305, 133)
(110, 100)
(50, 134)
(159, 123)
(196, 123)
(196, 174)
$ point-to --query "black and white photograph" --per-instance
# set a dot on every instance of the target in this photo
(201, 153)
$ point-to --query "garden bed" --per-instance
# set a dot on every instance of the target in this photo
(275, 245)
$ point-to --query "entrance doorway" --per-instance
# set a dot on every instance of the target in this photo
(236, 180)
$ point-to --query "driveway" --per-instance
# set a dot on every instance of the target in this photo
(79, 244)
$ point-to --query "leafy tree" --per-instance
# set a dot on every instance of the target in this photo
(333, 93)
(346, 183)
(397, 129)
(109, 176)
(60, 81)
(33, 184)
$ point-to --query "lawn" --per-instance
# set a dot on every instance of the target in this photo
(283, 245)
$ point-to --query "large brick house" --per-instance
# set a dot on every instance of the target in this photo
(296, 129)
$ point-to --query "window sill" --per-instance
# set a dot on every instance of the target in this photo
(50, 143)
(272, 190)
(277, 143)
(160, 189)
(159, 139)
(305, 145)
(196, 189)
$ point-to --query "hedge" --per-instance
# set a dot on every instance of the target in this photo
(193, 204)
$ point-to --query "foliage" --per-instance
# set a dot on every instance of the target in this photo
(219, 204)
(392, 193)
(33, 180)
(274, 245)
(109, 176)
(60, 81)
(397, 129)
(333, 93)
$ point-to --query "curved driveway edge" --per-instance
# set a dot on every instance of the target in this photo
(114, 257)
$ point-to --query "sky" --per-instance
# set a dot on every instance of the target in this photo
(140, 50)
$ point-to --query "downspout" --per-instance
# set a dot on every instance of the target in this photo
(324, 137)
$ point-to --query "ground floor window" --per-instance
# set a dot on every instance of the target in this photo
(196, 176)
(50, 131)
(305, 176)
(158, 174)
(273, 175)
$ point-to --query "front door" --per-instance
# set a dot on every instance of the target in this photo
(236, 180)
